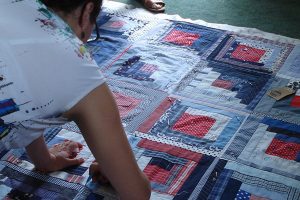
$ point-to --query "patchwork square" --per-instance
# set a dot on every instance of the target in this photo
(246, 52)
(225, 86)
(167, 167)
(291, 67)
(194, 125)
(115, 26)
(156, 172)
(138, 70)
(238, 181)
(114, 46)
(268, 144)
(135, 104)
(199, 128)
(283, 149)
(286, 109)
(194, 36)
(159, 67)
(181, 38)
(125, 104)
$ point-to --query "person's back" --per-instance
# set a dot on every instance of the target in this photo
(48, 78)
(45, 70)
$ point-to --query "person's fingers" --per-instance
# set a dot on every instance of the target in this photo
(94, 168)
(95, 172)
(67, 162)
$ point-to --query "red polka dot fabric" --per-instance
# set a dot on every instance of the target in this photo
(246, 53)
(282, 149)
(181, 38)
(196, 125)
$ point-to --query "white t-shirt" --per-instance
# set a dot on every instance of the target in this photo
(44, 71)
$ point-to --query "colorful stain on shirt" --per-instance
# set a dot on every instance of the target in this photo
(7, 107)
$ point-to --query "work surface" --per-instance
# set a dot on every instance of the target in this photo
(193, 98)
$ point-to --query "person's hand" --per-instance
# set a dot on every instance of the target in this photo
(63, 155)
(95, 173)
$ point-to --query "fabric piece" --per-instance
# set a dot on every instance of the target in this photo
(286, 150)
(243, 195)
(296, 101)
(125, 103)
(256, 146)
(152, 66)
(253, 53)
(282, 109)
(226, 86)
(156, 173)
(194, 125)
(166, 166)
(181, 38)
(247, 53)
(222, 84)
(196, 37)
(216, 133)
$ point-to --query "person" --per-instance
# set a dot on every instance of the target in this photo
(47, 78)
(155, 6)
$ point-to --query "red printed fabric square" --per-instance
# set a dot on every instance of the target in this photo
(282, 149)
(246, 53)
(223, 84)
(196, 125)
(125, 103)
(296, 101)
(181, 38)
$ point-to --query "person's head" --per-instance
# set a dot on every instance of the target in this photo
(79, 14)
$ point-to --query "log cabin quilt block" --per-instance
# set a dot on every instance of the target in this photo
(191, 126)
(254, 53)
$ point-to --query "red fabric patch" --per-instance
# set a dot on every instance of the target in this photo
(157, 174)
(181, 38)
(172, 150)
(196, 125)
(282, 149)
(222, 84)
(157, 113)
(253, 197)
(125, 103)
(246, 53)
(296, 101)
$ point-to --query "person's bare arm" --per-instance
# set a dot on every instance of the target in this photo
(98, 118)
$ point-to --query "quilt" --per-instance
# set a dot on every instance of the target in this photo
(194, 99)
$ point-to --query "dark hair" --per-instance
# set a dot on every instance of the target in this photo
(67, 6)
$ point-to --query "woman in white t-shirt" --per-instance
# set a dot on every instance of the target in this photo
(48, 78)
